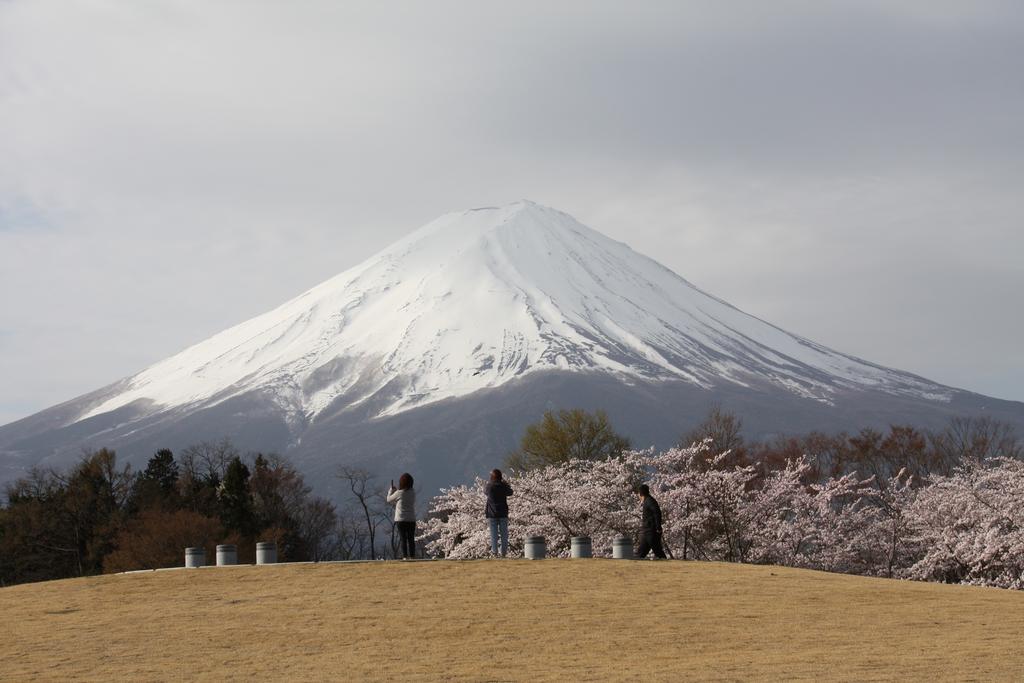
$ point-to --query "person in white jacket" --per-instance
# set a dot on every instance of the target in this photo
(404, 500)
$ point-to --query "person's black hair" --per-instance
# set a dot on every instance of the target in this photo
(405, 481)
(643, 490)
(495, 475)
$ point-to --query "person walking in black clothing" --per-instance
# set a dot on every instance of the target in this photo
(497, 491)
(650, 538)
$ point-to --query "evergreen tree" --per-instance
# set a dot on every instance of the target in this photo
(163, 471)
(235, 500)
(157, 486)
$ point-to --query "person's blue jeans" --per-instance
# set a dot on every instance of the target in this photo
(499, 525)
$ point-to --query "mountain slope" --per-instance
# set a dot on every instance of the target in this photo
(480, 297)
(479, 305)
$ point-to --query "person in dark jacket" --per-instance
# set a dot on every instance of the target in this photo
(497, 492)
(651, 525)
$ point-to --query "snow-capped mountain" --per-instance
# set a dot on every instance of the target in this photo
(475, 305)
(477, 298)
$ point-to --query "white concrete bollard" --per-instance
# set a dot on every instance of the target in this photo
(622, 548)
(534, 548)
(580, 546)
(194, 557)
(227, 555)
(266, 552)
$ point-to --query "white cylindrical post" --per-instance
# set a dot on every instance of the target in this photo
(534, 548)
(227, 554)
(194, 557)
(266, 552)
(622, 548)
(580, 547)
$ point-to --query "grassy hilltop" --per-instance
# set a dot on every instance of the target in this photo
(507, 620)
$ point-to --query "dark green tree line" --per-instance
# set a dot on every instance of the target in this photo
(101, 517)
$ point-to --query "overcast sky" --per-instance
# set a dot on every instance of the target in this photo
(850, 171)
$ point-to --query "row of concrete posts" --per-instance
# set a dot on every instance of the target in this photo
(227, 555)
(535, 547)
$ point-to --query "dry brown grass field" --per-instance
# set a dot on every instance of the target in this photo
(510, 620)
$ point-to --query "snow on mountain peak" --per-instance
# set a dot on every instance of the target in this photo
(480, 297)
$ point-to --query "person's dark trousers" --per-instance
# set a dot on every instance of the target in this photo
(648, 542)
(407, 538)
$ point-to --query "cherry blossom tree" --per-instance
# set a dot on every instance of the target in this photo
(574, 498)
(704, 505)
(967, 527)
(970, 525)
